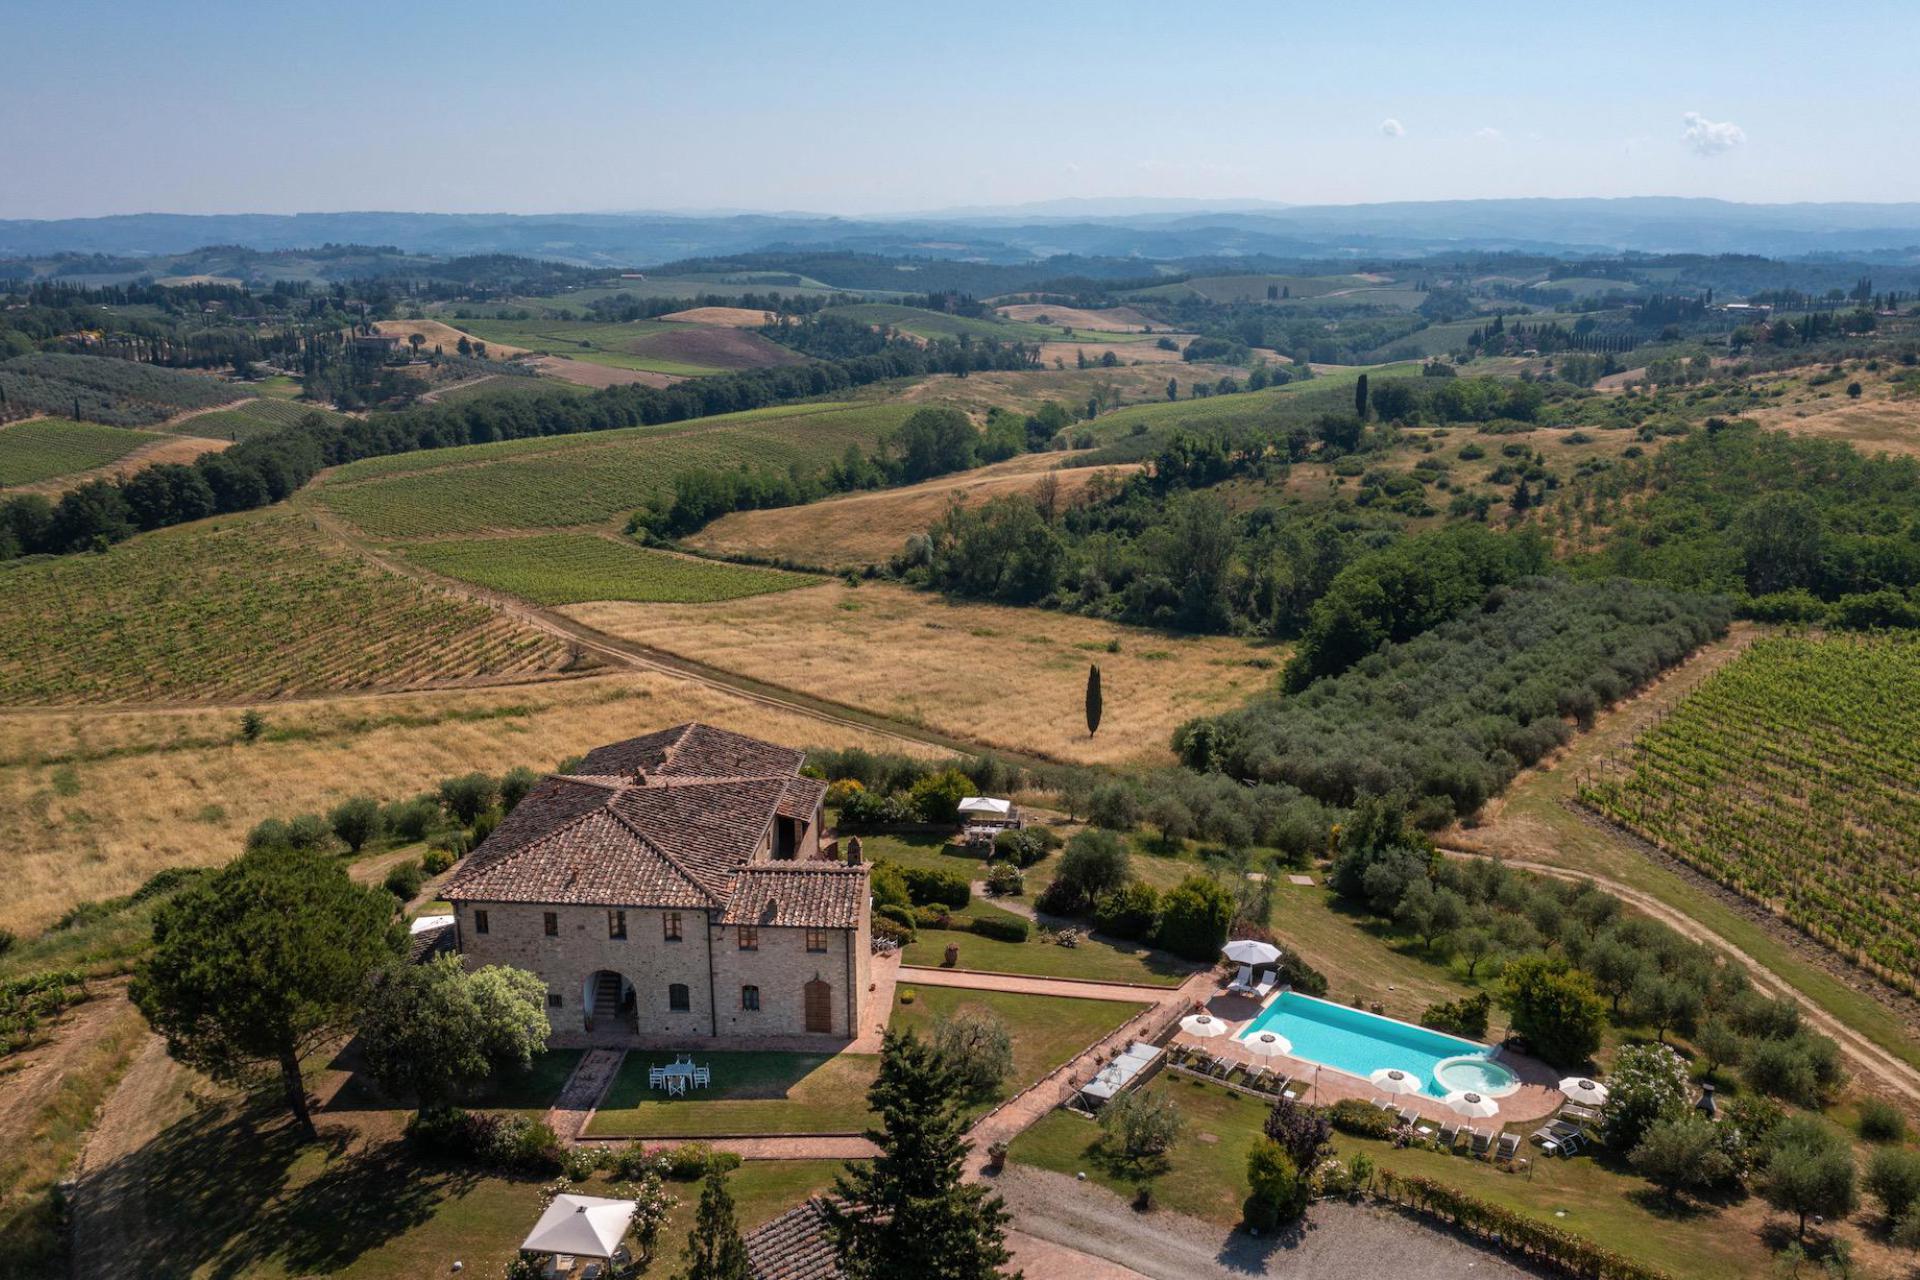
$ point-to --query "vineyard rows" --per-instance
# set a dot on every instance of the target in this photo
(589, 479)
(47, 447)
(118, 392)
(1794, 776)
(573, 568)
(253, 608)
(255, 417)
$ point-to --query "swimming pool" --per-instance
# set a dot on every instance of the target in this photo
(1360, 1043)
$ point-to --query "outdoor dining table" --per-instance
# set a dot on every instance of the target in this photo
(676, 1077)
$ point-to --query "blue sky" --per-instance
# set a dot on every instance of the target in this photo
(865, 108)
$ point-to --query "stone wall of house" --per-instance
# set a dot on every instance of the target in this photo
(780, 967)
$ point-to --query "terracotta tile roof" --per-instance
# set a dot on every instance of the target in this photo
(694, 750)
(428, 943)
(798, 895)
(616, 834)
(794, 1246)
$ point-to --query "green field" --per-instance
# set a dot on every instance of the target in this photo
(1252, 288)
(257, 606)
(571, 568)
(44, 448)
(934, 325)
(1093, 959)
(1273, 407)
(1790, 776)
(255, 417)
(618, 346)
(560, 481)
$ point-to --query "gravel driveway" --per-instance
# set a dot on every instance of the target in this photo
(1339, 1242)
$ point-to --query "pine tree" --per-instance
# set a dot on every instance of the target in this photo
(1093, 699)
(715, 1250)
(908, 1215)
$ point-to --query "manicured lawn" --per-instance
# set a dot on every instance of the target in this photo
(924, 852)
(766, 1093)
(751, 1093)
(1205, 1175)
(1093, 959)
(533, 1093)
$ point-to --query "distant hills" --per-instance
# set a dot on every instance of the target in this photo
(1142, 228)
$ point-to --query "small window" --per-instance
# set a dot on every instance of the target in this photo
(480, 922)
(749, 937)
(553, 924)
(816, 939)
(750, 999)
(678, 998)
(617, 925)
(670, 926)
(553, 1000)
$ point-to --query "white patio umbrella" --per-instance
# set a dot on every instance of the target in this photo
(1203, 1025)
(589, 1225)
(1588, 1093)
(1265, 1044)
(1394, 1080)
(1472, 1104)
(1250, 951)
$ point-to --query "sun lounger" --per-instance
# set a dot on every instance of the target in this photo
(1509, 1146)
(1449, 1134)
(1386, 1104)
(1408, 1115)
(1568, 1144)
(1263, 988)
(1482, 1141)
(1573, 1111)
(1243, 982)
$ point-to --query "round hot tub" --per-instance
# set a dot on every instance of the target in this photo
(1477, 1074)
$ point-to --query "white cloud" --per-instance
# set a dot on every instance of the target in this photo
(1393, 128)
(1489, 134)
(1710, 137)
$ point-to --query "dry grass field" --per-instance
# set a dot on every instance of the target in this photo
(439, 333)
(95, 801)
(1109, 320)
(1142, 352)
(596, 376)
(868, 528)
(1024, 390)
(1875, 423)
(1006, 677)
(731, 317)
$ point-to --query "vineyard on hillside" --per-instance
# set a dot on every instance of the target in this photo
(1794, 776)
(249, 608)
(43, 448)
(587, 479)
(573, 568)
(101, 389)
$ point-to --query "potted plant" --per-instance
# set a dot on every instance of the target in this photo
(996, 1156)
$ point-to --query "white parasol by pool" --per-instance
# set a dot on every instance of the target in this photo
(1588, 1093)
(1203, 1025)
(1468, 1103)
(1394, 1080)
(1265, 1044)
(1250, 951)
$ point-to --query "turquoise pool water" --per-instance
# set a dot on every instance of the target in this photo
(1361, 1043)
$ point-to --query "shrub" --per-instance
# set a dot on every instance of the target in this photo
(1648, 1084)
(888, 886)
(691, 1161)
(437, 861)
(893, 931)
(1194, 917)
(1881, 1121)
(1129, 912)
(1002, 927)
(505, 1142)
(936, 797)
(1361, 1119)
(1555, 1008)
(410, 820)
(902, 916)
(468, 796)
(514, 786)
(1115, 805)
(1005, 881)
(1893, 1178)
(1466, 1016)
(1021, 848)
(483, 827)
(1277, 1192)
(404, 879)
(1804, 1069)
(355, 821)
(309, 831)
(874, 808)
(1095, 864)
(1682, 1152)
(1291, 971)
(929, 885)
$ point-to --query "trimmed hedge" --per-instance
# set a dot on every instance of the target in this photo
(1361, 1119)
(927, 886)
(1003, 928)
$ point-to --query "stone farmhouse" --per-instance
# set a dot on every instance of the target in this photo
(674, 886)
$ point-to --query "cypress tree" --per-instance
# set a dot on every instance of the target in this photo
(908, 1215)
(1360, 398)
(1093, 699)
(715, 1250)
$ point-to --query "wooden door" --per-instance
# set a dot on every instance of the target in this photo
(819, 1007)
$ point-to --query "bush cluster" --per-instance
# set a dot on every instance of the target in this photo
(513, 1143)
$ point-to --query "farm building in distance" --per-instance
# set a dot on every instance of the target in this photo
(673, 885)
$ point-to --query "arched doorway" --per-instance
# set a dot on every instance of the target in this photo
(607, 1001)
(819, 1004)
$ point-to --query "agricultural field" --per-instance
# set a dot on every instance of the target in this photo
(259, 606)
(1007, 677)
(1254, 288)
(649, 346)
(45, 448)
(860, 529)
(252, 418)
(1793, 776)
(445, 336)
(935, 325)
(561, 481)
(1109, 319)
(100, 389)
(569, 568)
